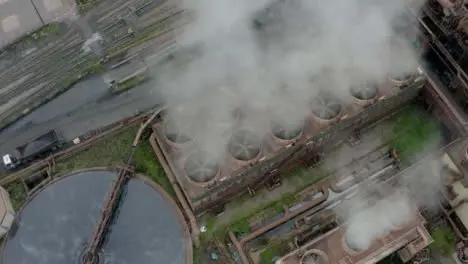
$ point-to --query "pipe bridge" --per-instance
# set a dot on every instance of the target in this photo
(91, 254)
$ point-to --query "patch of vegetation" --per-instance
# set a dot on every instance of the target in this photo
(115, 150)
(109, 151)
(146, 162)
(49, 29)
(241, 226)
(413, 132)
(17, 193)
(307, 176)
(444, 241)
(241, 222)
(273, 250)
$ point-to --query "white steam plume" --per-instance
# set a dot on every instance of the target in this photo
(384, 207)
(311, 46)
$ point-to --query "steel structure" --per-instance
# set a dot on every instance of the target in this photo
(444, 27)
(306, 150)
(91, 253)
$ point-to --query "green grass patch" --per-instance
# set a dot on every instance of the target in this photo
(107, 152)
(307, 176)
(273, 250)
(146, 162)
(17, 193)
(412, 133)
(241, 222)
(444, 241)
(115, 150)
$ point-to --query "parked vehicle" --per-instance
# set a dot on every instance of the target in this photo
(37, 148)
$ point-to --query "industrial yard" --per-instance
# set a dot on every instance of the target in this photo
(269, 142)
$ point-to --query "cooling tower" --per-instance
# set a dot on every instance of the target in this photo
(201, 168)
(325, 110)
(364, 95)
(244, 146)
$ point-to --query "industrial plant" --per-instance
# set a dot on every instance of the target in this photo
(338, 142)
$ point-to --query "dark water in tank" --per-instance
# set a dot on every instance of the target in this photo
(146, 230)
(54, 227)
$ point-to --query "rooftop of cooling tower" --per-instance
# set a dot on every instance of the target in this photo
(364, 92)
(326, 107)
(174, 133)
(244, 145)
(286, 130)
(54, 227)
(333, 245)
(201, 167)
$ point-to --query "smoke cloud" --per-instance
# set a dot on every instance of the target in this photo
(378, 209)
(302, 48)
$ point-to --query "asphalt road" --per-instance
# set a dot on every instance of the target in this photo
(86, 106)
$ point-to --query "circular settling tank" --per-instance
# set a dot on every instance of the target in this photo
(314, 257)
(174, 134)
(244, 145)
(201, 167)
(285, 130)
(326, 107)
(54, 227)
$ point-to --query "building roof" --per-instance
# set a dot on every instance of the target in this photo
(333, 245)
(21, 17)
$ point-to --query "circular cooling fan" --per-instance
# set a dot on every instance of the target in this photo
(403, 77)
(313, 258)
(364, 92)
(244, 145)
(352, 245)
(173, 133)
(201, 167)
(285, 131)
(326, 107)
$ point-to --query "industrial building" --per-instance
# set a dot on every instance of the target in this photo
(253, 160)
(333, 248)
(440, 84)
